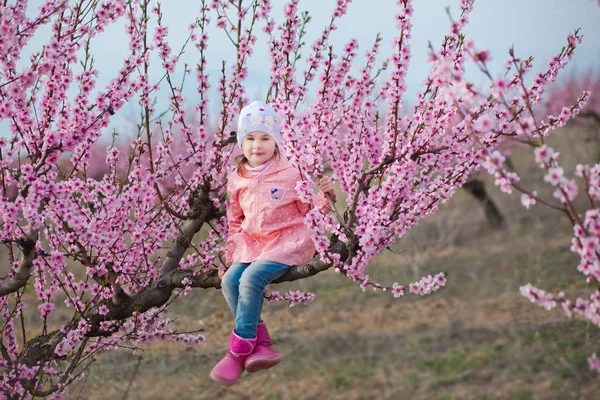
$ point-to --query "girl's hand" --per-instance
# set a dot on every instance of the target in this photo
(326, 185)
(221, 273)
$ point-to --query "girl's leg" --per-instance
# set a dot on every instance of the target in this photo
(230, 284)
(228, 370)
(250, 299)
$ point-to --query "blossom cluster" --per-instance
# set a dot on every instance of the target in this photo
(293, 297)
(532, 122)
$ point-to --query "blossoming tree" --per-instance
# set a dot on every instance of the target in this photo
(93, 245)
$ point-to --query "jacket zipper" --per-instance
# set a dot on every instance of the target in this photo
(256, 202)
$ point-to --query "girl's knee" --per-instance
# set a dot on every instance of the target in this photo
(252, 280)
(229, 281)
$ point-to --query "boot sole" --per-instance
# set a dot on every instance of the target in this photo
(221, 381)
(262, 363)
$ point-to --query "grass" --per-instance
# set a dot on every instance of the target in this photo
(445, 360)
(475, 339)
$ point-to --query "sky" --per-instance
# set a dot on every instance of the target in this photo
(535, 27)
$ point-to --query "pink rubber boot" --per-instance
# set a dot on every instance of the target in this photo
(264, 355)
(229, 369)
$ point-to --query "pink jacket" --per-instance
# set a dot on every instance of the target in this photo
(265, 217)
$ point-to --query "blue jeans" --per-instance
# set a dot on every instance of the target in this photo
(243, 285)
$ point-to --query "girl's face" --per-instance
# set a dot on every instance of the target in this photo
(258, 147)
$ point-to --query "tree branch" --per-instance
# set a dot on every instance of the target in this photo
(156, 295)
(66, 374)
(4, 351)
(203, 210)
(23, 273)
(159, 292)
(40, 348)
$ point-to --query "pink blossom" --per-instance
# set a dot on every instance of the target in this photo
(397, 290)
(554, 176)
(46, 309)
(528, 200)
(543, 154)
(538, 296)
(593, 361)
(567, 190)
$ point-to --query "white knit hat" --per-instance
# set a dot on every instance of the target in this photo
(258, 117)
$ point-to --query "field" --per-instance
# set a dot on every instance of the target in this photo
(478, 338)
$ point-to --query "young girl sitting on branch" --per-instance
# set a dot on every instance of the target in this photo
(267, 236)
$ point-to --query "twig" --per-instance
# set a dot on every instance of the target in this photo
(135, 371)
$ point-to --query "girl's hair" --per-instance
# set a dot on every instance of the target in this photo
(241, 160)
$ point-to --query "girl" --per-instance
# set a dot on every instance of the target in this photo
(266, 237)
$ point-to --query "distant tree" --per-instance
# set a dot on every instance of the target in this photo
(567, 91)
(476, 188)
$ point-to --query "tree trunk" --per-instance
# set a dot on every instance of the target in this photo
(493, 215)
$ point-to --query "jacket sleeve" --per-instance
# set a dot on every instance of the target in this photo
(235, 216)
